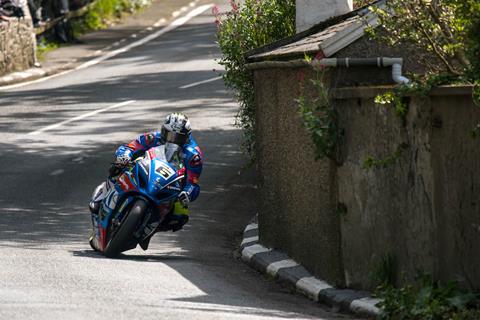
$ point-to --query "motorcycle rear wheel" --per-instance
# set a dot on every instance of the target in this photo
(124, 232)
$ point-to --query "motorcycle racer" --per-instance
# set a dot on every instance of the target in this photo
(180, 145)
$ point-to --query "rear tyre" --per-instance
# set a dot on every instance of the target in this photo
(123, 234)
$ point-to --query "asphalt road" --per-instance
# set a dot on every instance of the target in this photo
(47, 269)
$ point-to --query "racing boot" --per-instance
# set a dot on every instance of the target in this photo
(176, 219)
(144, 243)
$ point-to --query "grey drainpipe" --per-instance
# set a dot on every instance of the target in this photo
(395, 63)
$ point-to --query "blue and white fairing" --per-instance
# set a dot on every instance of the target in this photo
(152, 178)
(160, 180)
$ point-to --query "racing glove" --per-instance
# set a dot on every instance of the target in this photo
(123, 159)
(184, 199)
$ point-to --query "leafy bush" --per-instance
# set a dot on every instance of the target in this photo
(245, 27)
(101, 13)
(443, 27)
(448, 29)
(43, 47)
(427, 300)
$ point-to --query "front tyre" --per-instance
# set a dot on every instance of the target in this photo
(124, 232)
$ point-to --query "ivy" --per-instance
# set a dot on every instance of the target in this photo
(371, 162)
(319, 118)
(395, 99)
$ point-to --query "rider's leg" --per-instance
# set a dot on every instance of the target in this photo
(174, 221)
(177, 218)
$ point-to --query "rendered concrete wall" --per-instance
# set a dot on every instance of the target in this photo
(17, 45)
(312, 12)
(420, 212)
(296, 194)
(389, 209)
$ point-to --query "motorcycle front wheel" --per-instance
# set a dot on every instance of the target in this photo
(121, 237)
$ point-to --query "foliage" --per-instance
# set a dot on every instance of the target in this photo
(427, 299)
(394, 99)
(43, 47)
(385, 271)
(442, 27)
(448, 29)
(102, 13)
(372, 162)
(247, 26)
(319, 118)
(361, 3)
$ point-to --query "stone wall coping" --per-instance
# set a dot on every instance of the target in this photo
(370, 92)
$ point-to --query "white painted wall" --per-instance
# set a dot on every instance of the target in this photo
(311, 12)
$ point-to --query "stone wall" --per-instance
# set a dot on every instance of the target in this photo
(420, 212)
(17, 45)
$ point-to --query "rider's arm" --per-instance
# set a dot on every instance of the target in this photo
(193, 165)
(138, 146)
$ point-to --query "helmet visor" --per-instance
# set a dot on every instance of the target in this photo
(174, 137)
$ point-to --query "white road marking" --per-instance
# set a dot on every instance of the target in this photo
(86, 115)
(57, 172)
(199, 83)
(172, 26)
(273, 267)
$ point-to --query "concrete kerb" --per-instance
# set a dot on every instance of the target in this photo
(278, 265)
(34, 74)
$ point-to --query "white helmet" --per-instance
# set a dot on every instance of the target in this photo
(176, 128)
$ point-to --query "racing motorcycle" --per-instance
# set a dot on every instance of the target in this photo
(137, 204)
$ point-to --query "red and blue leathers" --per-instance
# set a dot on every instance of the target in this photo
(191, 154)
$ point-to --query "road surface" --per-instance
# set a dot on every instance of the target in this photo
(57, 138)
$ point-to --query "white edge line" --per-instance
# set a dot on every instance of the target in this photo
(86, 115)
(172, 26)
(199, 83)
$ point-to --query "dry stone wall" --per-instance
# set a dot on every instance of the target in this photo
(17, 45)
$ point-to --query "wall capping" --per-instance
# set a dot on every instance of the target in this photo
(370, 92)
